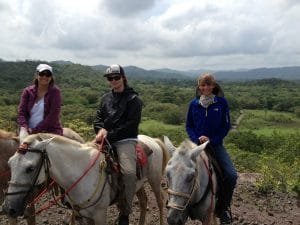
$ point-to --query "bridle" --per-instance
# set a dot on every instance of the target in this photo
(44, 160)
(186, 195)
(195, 186)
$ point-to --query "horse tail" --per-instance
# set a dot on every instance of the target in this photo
(165, 152)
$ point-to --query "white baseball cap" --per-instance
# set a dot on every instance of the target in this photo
(42, 67)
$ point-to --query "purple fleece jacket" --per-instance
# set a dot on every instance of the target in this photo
(52, 101)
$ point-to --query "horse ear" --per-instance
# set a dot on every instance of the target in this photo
(171, 148)
(23, 134)
(45, 137)
(42, 144)
(197, 151)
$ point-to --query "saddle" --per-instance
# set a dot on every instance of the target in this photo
(111, 157)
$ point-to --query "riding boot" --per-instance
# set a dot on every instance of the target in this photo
(123, 220)
(225, 218)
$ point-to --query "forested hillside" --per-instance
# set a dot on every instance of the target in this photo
(269, 132)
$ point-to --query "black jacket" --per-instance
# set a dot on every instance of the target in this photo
(119, 114)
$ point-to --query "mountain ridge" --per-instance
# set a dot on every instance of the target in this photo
(286, 73)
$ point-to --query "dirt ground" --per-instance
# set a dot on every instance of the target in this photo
(249, 208)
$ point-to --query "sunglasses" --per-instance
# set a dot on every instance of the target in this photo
(47, 74)
(114, 78)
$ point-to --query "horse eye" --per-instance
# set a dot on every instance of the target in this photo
(189, 177)
(168, 174)
(30, 169)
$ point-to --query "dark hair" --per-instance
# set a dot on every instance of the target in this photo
(125, 81)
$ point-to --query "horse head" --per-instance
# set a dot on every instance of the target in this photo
(27, 170)
(183, 179)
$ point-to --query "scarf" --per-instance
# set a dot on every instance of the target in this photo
(206, 101)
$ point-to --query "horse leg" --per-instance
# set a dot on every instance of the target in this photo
(143, 200)
(12, 221)
(158, 192)
(30, 212)
(72, 220)
(69, 217)
(100, 216)
(213, 221)
(75, 217)
(87, 221)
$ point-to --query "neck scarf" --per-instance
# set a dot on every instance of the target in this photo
(206, 101)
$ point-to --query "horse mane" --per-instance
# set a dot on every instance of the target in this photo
(43, 136)
(185, 146)
(6, 135)
(29, 139)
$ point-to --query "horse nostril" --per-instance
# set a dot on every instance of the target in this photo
(175, 220)
(12, 212)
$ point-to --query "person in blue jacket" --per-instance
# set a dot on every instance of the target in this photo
(208, 119)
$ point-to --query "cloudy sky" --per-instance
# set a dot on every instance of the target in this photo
(176, 34)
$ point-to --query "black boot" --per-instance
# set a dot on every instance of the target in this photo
(123, 220)
(225, 218)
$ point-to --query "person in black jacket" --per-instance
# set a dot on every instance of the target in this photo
(117, 120)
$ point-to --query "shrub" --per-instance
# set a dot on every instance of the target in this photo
(246, 141)
(278, 176)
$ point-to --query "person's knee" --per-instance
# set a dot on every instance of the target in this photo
(232, 179)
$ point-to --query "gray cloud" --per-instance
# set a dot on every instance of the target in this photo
(147, 34)
(127, 8)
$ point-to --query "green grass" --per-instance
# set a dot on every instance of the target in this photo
(264, 122)
(157, 129)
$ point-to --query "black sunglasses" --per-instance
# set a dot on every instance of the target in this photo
(113, 78)
(47, 74)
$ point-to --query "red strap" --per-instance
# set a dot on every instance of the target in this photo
(141, 156)
(5, 173)
(51, 203)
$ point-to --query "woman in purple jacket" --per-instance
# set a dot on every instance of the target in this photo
(40, 104)
(208, 120)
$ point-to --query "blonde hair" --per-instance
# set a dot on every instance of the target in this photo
(206, 78)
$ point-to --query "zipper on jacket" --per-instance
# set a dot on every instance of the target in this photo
(206, 112)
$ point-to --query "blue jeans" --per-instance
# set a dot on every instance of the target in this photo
(229, 173)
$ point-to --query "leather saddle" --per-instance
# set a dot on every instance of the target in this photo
(142, 152)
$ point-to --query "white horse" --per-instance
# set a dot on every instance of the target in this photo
(67, 160)
(192, 184)
(9, 143)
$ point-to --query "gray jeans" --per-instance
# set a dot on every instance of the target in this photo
(127, 158)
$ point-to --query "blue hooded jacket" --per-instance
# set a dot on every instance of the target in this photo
(213, 122)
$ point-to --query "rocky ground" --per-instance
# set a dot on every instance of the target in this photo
(249, 208)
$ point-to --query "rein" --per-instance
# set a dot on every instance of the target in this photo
(84, 205)
(45, 160)
(5, 173)
(55, 200)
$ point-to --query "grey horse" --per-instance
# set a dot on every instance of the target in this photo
(192, 184)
